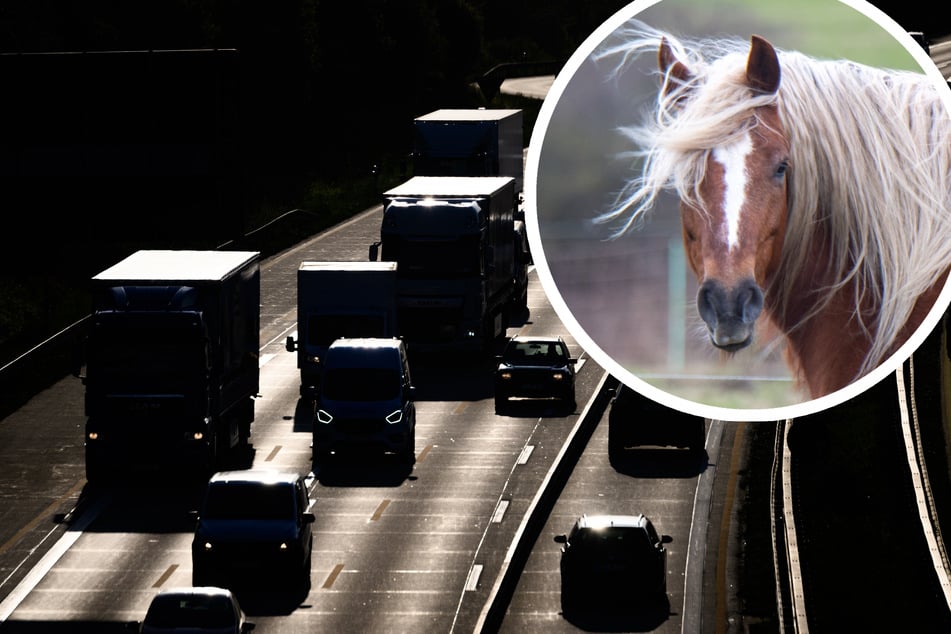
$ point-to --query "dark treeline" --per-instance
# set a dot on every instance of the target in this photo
(102, 154)
(325, 86)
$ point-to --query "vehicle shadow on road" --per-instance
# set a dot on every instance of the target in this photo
(271, 602)
(137, 506)
(535, 408)
(660, 463)
(359, 470)
(621, 617)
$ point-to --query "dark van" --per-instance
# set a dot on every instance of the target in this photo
(365, 400)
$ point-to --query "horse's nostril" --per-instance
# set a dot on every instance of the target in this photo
(749, 301)
(707, 303)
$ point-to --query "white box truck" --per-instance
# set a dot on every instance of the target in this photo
(335, 300)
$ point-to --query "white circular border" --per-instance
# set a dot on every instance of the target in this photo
(561, 81)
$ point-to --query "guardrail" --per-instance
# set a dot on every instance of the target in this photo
(493, 612)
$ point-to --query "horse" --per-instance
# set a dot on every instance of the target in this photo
(814, 193)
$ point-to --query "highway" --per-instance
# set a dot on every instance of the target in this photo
(393, 551)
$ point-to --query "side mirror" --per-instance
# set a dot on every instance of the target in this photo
(561, 539)
(374, 251)
(666, 539)
(290, 344)
(309, 517)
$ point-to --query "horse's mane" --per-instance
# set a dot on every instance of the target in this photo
(869, 168)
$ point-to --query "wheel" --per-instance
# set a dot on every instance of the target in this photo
(569, 599)
(305, 569)
(409, 451)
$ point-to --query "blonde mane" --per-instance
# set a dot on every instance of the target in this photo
(869, 168)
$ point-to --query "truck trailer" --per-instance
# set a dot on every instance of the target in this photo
(454, 242)
(340, 299)
(171, 361)
(469, 142)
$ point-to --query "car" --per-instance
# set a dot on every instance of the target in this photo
(195, 610)
(535, 367)
(253, 525)
(612, 559)
(637, 421)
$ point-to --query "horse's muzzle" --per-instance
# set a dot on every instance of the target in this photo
(730, 313)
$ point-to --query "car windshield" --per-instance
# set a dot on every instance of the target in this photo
(249, 500)
(613, 542)
(361, 384)
(190, 610)
(535, 353)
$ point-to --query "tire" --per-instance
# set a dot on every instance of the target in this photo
(409, 451)
(569, 599)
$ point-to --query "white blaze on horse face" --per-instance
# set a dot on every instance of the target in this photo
(733, 159)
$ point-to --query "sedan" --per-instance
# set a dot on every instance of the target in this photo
(612, 559)
(535, 367)
(195, 610)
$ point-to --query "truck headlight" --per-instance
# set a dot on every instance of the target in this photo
(324, 417)
(395, 417)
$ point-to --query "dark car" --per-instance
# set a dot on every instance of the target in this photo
(612, 560)
(254, 525)
(636, 421)
(194, 610)
(535, 367)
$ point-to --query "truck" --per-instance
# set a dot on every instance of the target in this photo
(171, 362)
(339, 299)
(469, 142)
(454, 242)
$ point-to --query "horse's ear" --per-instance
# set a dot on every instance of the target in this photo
(674, 71)
(762, 66)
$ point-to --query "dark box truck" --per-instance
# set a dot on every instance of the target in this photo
(171, 361)
(458, 273)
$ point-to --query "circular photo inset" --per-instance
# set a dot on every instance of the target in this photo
(743, 209)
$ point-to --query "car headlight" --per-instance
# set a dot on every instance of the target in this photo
(395, 417)
(558, 376)
(505, 376)
(208, 547)
(324, 417)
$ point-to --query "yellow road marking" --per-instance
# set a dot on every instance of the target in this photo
(379, 510)
(41, 517)
(332, 577)
(165, 575)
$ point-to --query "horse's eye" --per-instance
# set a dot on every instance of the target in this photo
(781, 169)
